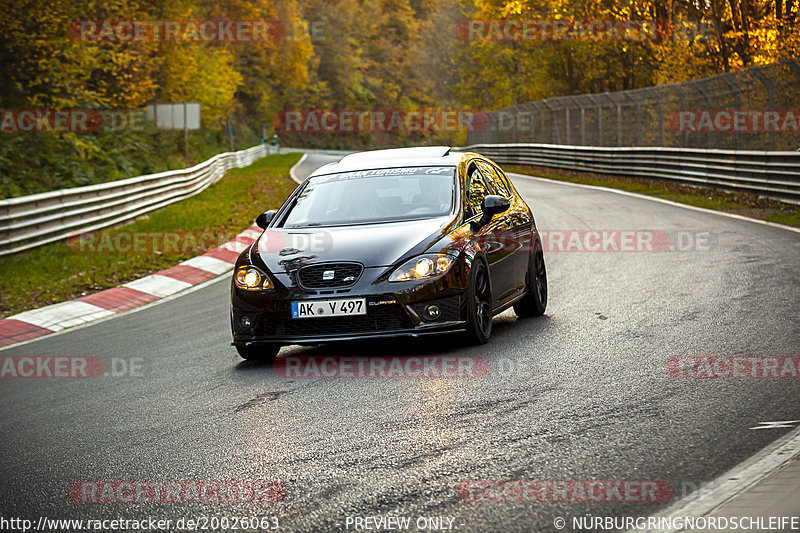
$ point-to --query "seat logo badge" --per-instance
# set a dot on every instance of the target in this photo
(328, 274)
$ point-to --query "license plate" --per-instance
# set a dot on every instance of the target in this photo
(323, 308)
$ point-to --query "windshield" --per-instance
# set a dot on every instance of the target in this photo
(370, 196)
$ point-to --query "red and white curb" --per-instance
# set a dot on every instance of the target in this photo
(53, 318)
(103, 304)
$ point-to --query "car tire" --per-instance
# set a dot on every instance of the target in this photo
(258, 352)
(479, 304)
(534, 302)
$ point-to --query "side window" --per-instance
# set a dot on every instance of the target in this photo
(477, 189)
(505, 181)
(498, 179)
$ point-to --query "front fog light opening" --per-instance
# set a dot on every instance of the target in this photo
(246, 323)
(432, 312)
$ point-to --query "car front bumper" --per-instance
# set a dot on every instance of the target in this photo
(393, 310)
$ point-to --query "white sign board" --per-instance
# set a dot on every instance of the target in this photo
(171, 116)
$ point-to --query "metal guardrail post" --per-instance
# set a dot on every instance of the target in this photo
(638, 123)
(544, 127)
(770, 85)
(554, 134)
(728, 79)
(583, 126)
(682, 100)
(638, 117)
(599, 119)
(575, 103)
(704, 92)
(653, 96)
(600, 125)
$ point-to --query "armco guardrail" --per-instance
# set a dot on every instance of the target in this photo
(768, 174)
(30, 221)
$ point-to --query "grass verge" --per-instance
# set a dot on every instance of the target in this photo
(744, 204)
(58, 272)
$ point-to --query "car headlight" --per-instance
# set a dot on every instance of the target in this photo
(250, 278)
(424, 266)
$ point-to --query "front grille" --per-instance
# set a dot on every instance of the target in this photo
(344, 275)
(277, 321)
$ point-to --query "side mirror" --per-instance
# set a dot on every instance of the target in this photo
(263, 220)
(493, 205)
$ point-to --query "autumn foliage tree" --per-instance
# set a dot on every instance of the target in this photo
(337, 54)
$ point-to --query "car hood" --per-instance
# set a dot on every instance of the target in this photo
(373, 245)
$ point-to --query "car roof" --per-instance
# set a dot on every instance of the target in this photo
(394, 157)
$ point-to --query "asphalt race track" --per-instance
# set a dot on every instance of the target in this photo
(580, 394)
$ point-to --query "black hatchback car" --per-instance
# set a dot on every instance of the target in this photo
(400, 242)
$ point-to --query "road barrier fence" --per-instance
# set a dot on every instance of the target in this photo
(768, 174)
(30, 221)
